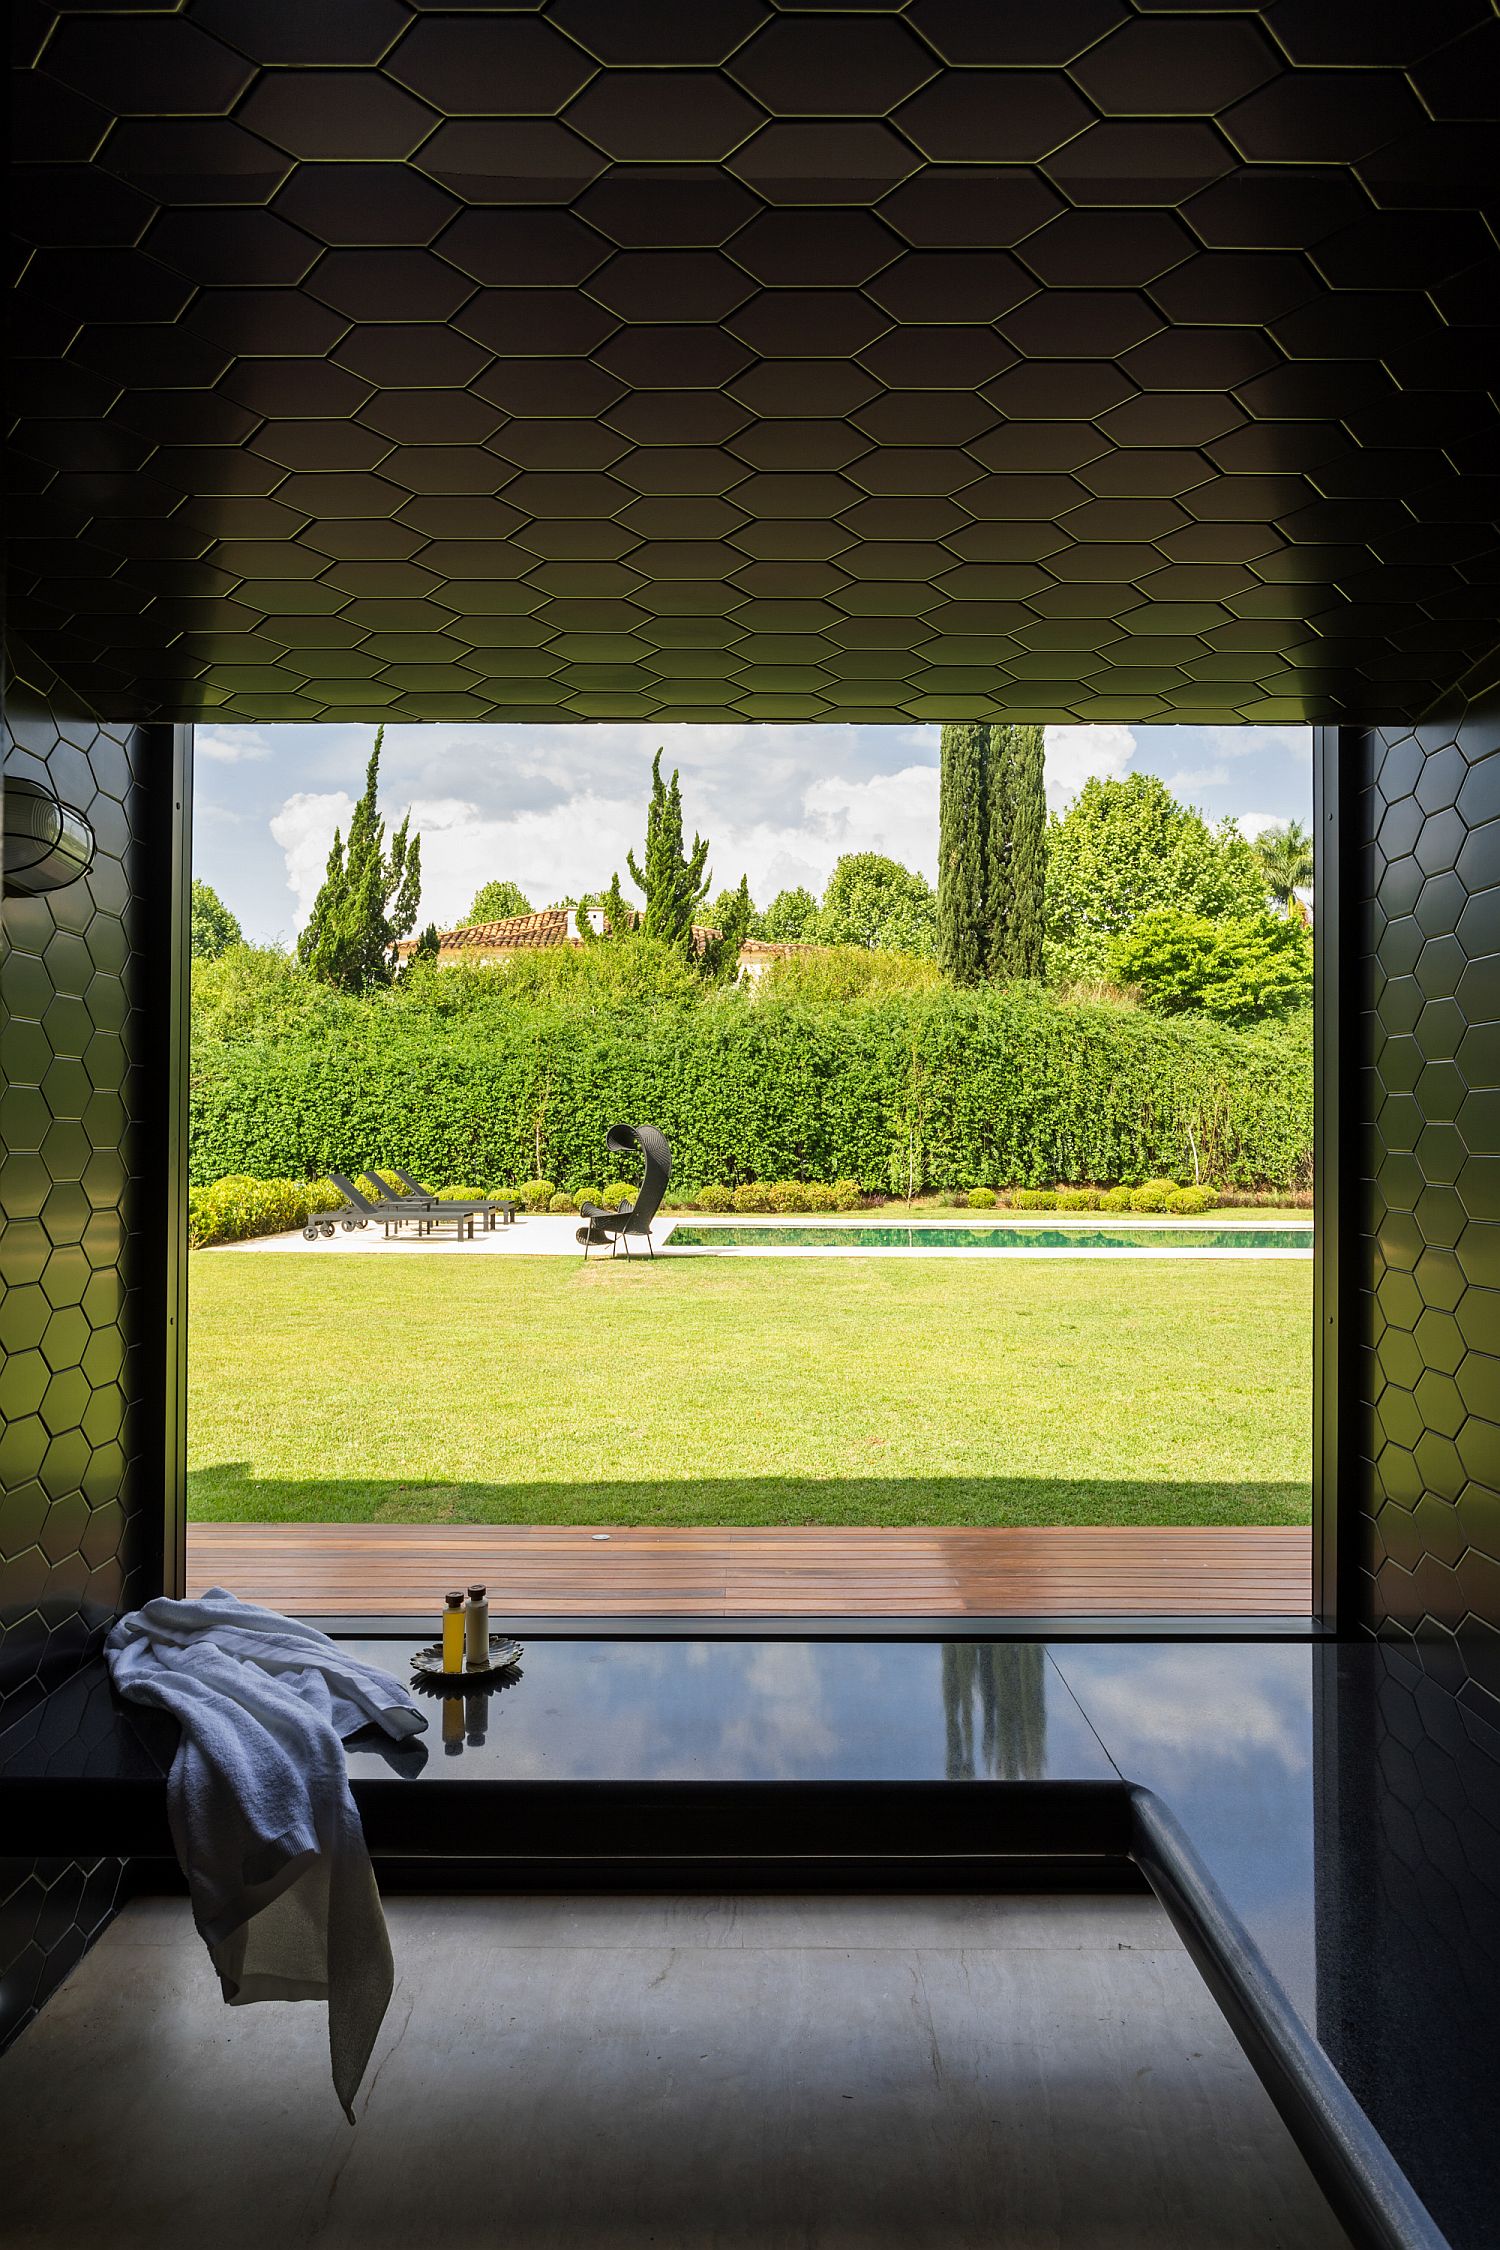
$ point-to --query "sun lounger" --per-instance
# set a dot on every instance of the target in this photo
(425, 1217)
(502, 1204)
(386, 1198)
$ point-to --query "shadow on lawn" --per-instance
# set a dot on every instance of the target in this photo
(228, 1492)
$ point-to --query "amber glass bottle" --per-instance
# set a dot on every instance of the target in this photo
(453, 1633)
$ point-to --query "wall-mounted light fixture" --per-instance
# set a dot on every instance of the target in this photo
(47, 843)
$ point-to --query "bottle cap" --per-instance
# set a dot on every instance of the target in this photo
(454, 1601)
(476, 1593)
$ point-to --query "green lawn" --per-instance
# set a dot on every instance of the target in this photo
(435, 1389)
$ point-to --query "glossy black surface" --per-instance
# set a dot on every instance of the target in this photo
(81, 1529)
(1342, 1801)
(606, 361)
(1347, 1805)
(737, 1711)
(1225, 1735)
(1425, 1426)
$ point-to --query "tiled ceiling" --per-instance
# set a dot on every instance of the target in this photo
(705, 358)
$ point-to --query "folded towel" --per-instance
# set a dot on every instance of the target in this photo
(266, 1830)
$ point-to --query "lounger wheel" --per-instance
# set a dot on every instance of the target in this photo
(309, 1234)
(349, 1225)
(326, 1230)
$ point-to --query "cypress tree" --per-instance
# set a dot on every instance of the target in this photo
(962, 842)
(369, 897)
(1016, 839)
(998, 794)
(1027, 868)
(675, 881)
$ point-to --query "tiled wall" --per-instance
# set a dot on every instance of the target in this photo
(80, 1496)
(920, 359)
(1426, 809)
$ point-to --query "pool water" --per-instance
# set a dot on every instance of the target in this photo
(995, 1238)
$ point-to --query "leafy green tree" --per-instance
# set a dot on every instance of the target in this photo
(833, 975)
(214, 928)
(368, 900)
(963, 852)
(875, 901)
(728, 903)
(733, 913)
(1126, 848)
(427, 948)
(595, 979)
(791, 918)
(1239, 969)
(673, 881)
(1285, 853)
(497, 902)
(1016, 869)
(251, 993)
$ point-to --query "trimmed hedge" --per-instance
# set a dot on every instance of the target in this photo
(237, 1208)
(943, 1087)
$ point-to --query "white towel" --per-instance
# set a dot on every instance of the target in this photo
(266, 1830)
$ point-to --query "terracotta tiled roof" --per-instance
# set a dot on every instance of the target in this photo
(519, 933)
(552, 926)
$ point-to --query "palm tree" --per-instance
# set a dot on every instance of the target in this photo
(1285, 853)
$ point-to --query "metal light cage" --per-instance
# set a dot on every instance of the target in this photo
(47, 843)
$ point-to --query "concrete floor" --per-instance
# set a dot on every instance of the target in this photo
(694, 2074)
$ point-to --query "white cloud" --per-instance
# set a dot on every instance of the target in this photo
(231, 746)
(574, 846)
(304, 829)
(552, 853)
(1183, 783)
(1075, 753)
(1252, 823)
(554, 808)
(1255, 742)
(1165, 1700)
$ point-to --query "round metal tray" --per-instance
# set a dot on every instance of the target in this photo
(505, 1655)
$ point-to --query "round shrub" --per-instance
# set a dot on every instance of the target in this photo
(1077, 1199)
(981, 1199)
(1033, 1199)
(561, 1203)
(847, 1195)
(460, 1195)
(750, 1197)
(1188, 1201)
(235, 1209)
(536, 1194)
(714, 1199)
(820, 1197)
(1152, 1195)
(787, 1195)
(619, 1191)
(585, 1195)
(1115, 1199)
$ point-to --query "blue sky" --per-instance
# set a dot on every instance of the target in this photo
(554, 807)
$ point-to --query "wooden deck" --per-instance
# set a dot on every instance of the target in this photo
(396, 1570)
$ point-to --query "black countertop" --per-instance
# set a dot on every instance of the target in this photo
(1343, 1802)
(759, 1711)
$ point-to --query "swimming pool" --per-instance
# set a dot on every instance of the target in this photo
(1079, 1239)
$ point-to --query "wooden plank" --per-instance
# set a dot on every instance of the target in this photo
(760, 1570)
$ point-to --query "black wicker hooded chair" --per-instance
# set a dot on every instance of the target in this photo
(631, 1221)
